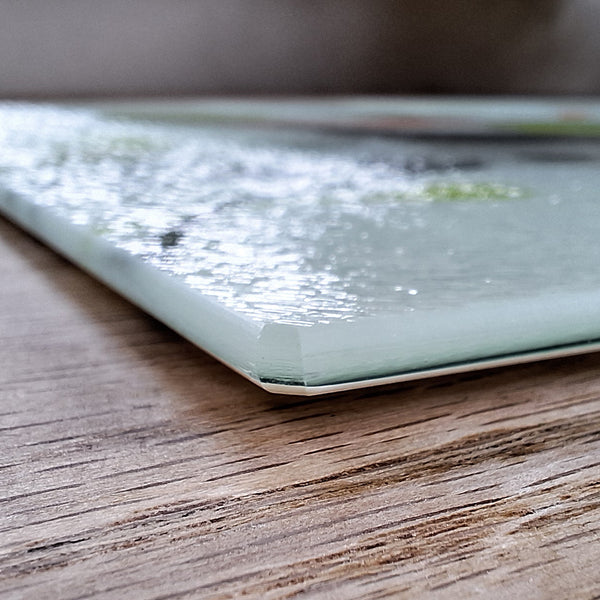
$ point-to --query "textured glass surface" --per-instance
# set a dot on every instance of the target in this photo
(340, 256)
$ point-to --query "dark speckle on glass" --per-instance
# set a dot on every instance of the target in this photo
(170, 238)
(425, 163)
(428, 164)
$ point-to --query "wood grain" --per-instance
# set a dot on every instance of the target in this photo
(135, 466)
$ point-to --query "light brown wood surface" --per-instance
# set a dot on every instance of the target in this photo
(133, 465)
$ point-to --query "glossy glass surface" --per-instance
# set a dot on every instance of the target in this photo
(313, 258)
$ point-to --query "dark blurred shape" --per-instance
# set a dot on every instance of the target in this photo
(67, 48)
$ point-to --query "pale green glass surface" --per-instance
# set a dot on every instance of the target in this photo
(310, 258)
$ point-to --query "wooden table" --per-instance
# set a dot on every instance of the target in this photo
(133, 465)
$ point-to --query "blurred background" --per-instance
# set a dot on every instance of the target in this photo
(85, 48)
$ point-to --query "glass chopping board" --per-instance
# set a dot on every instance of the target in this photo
(316, 246)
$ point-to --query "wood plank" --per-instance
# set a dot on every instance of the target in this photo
(133, 465)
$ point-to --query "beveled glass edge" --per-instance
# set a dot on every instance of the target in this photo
(478, 365)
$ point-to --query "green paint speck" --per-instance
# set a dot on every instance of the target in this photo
(457, 191)
(568, 128)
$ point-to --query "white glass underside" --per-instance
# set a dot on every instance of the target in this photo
(312, 261)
